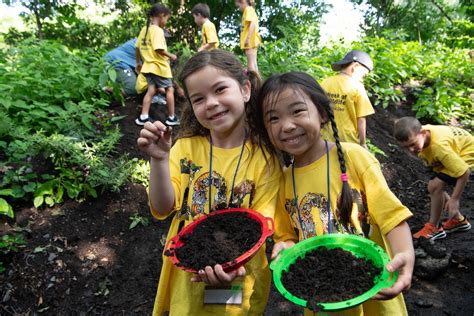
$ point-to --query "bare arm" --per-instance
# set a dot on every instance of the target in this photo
(155, 140)
(400, 241)
(138, 60)
(361, 130)
(207, 46)
(166, 53)
(251, 29)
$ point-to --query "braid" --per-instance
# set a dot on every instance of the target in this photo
(344, 204)
(147, 26)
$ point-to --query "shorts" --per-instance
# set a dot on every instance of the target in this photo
(127, 78)
(445, 178)
(448, 179)
(159, 82)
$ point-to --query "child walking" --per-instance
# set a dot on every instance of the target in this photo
(351, 105)
(449, 151)
(201, 14)
(152, 49)
(249, 35)
(214, 164)
(332, 187)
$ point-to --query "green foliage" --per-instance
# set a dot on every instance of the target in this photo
(138, 219)
(140, 172)
(56, 138)
(439, 77)
(9, 244)
(373, 149)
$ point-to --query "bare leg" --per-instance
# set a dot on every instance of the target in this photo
(147, 99)
(170, 100)
(252, 59)
(438, 199)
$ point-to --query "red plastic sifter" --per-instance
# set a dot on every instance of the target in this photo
(267, 228)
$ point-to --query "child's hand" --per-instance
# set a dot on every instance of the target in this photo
(404, 264)
(173, 57)
(282, 245)
(217, 276)
(138, 68)
(155, 140)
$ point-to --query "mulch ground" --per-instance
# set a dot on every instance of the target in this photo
(84, 259)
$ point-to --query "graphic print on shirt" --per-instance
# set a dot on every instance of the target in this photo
(319, 201)
(200, 191)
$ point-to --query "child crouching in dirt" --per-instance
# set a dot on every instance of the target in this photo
(214, 140)
(332, 187)
(449, 151)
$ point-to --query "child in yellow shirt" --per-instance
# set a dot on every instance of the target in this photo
(201, 15)
(449, 151)
(350, 102)
(331, 187)
(152, 49)
(215, 163)
(249, 36)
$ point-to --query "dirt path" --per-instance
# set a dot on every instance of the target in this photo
(84, 259)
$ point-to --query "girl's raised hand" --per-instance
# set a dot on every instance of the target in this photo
(218, 276)
(155, 140)
(403, 263)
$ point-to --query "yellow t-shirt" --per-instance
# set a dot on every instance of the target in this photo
(248, 17)
(350, 101)
(451, 150)
(256, 187)
(209, 34)
(376, 209)
(152, 61)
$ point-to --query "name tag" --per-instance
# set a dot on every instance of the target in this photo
(228, 295)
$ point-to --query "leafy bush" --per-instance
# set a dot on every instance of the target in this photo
(439, 76)
(55, 135)
(9, 244)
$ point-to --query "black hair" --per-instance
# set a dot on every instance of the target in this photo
(405, 127)
(202, 9)
(156, 10)
(304, 83)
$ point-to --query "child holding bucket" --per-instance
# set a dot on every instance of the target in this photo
(215, 163)
(331, 187)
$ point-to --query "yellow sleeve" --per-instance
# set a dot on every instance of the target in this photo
(283, 227)
(362, 103)
(250, 15)
(210, 33)
(385, 210)
(157, 37)
(454, 166)
(266, 189)
(175, 174)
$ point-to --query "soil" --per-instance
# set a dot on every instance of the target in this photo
(329, 275)
(83, 258)
(218, 239)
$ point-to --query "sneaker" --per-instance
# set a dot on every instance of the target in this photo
(141, 122)
(454, 225)
(158, 99)
(172, 121)
(430, 231)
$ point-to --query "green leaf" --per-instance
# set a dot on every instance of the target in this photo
(87, 123)
(133, 224)
(112, 74)
(30, 187)
(7, 192)
(6, 209)
(46, 188)
(49, 200)
(38, 201)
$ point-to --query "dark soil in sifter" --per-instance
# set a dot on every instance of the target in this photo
(328, 276)
(218, 239)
